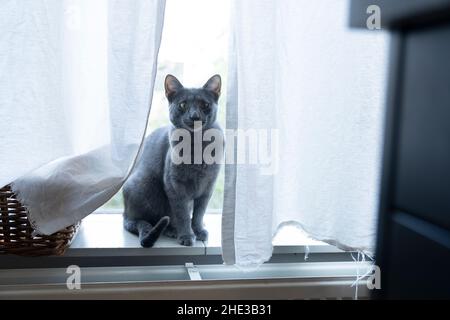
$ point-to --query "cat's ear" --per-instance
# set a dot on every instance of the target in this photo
(172, 85)
(214, 84)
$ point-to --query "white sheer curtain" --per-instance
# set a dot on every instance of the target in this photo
(295, 66)
(76, 83)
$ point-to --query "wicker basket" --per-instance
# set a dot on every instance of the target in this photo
(15, 231)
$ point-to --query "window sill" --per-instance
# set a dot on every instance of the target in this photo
(103, 234)
(102, 242)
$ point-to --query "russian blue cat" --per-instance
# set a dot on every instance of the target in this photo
(161, 196)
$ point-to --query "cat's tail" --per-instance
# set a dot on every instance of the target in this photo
(147, 233)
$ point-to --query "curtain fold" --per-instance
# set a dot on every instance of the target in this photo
(296, 69)
(76, 83)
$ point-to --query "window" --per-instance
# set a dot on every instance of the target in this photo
(194, 47)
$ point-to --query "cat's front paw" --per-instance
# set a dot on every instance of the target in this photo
(186, 240)
(202, 234)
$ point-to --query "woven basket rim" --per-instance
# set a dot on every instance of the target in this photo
(16, 232)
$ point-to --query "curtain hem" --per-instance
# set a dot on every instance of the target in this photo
(364, 250)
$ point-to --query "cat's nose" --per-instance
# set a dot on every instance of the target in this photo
(195, 116)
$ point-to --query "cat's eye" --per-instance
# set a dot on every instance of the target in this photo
(182, 106)
(206, 105)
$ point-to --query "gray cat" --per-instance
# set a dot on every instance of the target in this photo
(159, 195)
